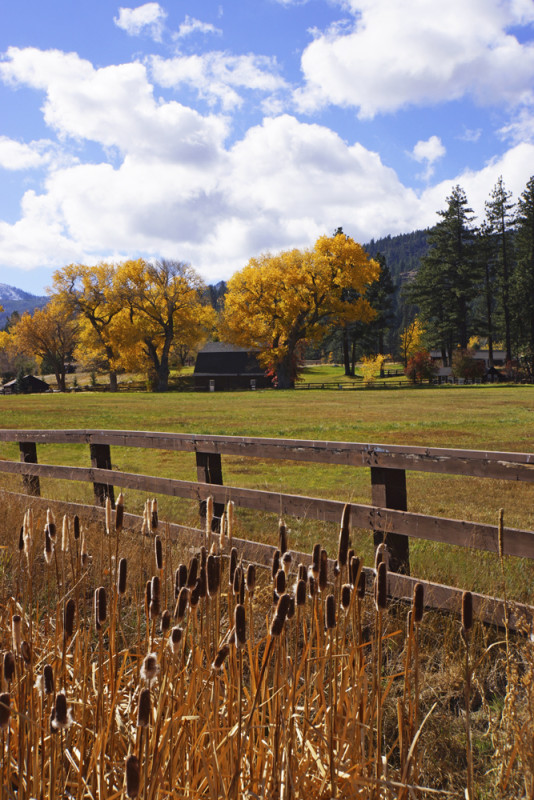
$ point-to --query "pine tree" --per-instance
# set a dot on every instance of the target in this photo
(523, 281)
(500, 221)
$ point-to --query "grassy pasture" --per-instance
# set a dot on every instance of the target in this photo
(493, 418)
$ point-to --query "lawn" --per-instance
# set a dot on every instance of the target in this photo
(492, 418)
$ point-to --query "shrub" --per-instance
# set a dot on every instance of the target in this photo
(465, 365)
(420, 367)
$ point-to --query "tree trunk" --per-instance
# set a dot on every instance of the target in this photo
(113, 383)
(284, 374)
(346, 353)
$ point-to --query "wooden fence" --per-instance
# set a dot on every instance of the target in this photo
(387, 517)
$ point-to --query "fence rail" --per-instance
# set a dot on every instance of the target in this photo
(387, 517)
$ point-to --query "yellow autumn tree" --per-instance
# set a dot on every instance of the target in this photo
(89, 293)
(164, 310)
(411, 339)
(278, 301)
(49, 333)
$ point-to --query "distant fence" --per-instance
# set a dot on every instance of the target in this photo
(387, 517)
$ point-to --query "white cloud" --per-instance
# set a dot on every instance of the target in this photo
(148, 18)
(521, 128)
(419, 52)
(428, 151)
(218, 76)
(19, 156)
(191, 26)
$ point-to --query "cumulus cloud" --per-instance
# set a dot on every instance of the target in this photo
(148, 18)
(428, 152)
(219, 77)
(400, 54)
(19, 156)
(190, 26)
(521, 128)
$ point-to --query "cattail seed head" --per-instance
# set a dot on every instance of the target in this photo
(418, 602)
(286, 563)
(143, 710)
(181, 578)
(213, 568)
(25, 652)
(16, 631)
(251, 579)
(148, 594)
(223, 526)
(238, 580)
(240, 626)
(382, 554)
(158, 553)
(201, 586)
(122, 576)
(467, 611)
(48, 679)
(337, 569)
(275, 564)
(203, 557)
(330, 612)
(9, 666)
(108, 514)
(283, 606)
(280, 581)
(48, 546)
(291, 607)
(150, 668)
(154, 520)
(354, 568)
(282, 537)
(323, 571)
(316, 560)
(344, 537)
(102, 604)
(277, 626)
(312, 583)
(119, 513)
(233, 565)
(165, 621)
(5, 710)
(230, 519)
(175, 639)
(133, 779)
(194, 597)
(61, 717)
(76, 526)
(209, 515)
(192, 573)
(68, 618)
(65, 534)
(183, 601)
(21, 538)
(381, 586)
(302, 574)
(346, 593)
(220, 657)
(301, 592)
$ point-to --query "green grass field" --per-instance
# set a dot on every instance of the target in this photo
(492, 418)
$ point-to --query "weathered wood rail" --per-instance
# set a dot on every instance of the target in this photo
(387, 517)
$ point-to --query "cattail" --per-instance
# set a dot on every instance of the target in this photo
(291, 607)
(280, 581)
(316, 560)
(209, 515)
(165, 621)
(275, 564)
(346, 592)
(312, 583)
(251, 579)
(148, 594)
(102, 604)
(180, 579)
(302, 574)
(84, 555)
(143, 710)
(282, 537)
(154, 521)
(323, 571)
(145, 523)
(158, 553)
(48, 679)
(500, 536)
(68, 618)
(283, 606)
(467, 611)
(233, 565)
(150, 668)
(213, 569)
(61, 715)
(382, 554)
(220, 657)
(21, 538)
(155, 597)
(361, 585)
(330, 612)
(25, 652)
(230, 518)
(301, 593)
(277, 626)
(222, 531)
(350, 554)
(65, 534)
(9, 666)
(49, 546)
(50, 522)
(417, 605)
(192, 573)
(286, 563)
(201, 586)
(337, 569)
(381, 586)
(108, 514)
(5, 710)
(16, 630)
(175, 639)
(194, 597)
(344, 537)
(119, 513)
(203, 557)
(240, 626)
(354, 566)
(181, 605)
(76, 527)
(123, 573)
(132, 776)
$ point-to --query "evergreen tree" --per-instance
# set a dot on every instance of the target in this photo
(523, 280)
(500, 222)
(448, 278)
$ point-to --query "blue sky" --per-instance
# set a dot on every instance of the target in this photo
(213, 131)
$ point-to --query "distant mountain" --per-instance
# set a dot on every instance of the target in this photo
(403, 253)
(13, 299)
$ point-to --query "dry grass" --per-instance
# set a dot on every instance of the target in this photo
(157, 698)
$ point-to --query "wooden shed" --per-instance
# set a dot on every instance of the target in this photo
(29, 384)
(221, 366)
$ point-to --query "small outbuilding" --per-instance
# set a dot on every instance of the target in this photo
(221, 366)
(28, 384)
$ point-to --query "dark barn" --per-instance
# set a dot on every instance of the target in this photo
(29, 384)
(220, 366)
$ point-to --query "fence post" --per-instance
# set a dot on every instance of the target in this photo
(101, 459)
(388, 488)
(28, 455)
(209, 470)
